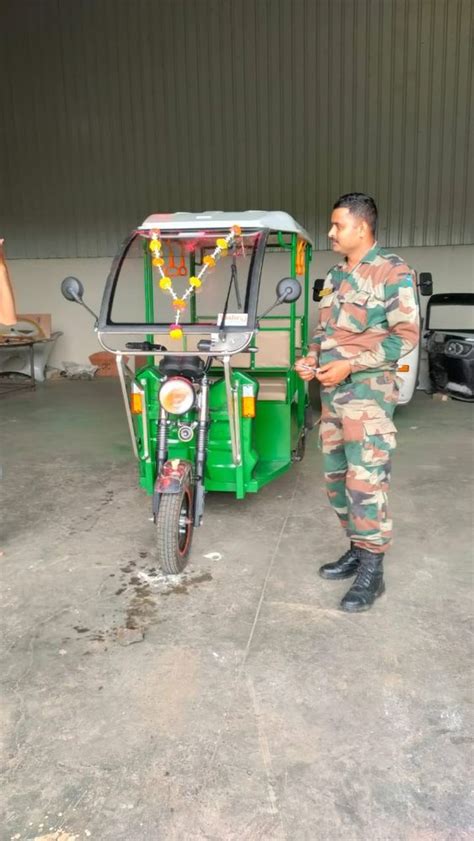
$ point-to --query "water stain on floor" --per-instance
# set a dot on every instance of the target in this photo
(140, 587)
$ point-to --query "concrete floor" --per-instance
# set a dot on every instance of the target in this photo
(243, 704)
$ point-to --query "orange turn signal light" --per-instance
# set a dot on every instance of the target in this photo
(248, 407)
(136, 403)
(248, 402)
(403, 368)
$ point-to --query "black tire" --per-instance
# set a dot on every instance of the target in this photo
(298, 453)
(174, 530)
(309, 418)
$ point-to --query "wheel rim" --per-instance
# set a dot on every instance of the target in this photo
(184, 523)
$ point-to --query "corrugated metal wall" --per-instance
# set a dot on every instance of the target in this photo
(117, 108)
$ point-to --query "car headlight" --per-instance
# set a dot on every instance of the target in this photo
(458, 348)
(176, 395)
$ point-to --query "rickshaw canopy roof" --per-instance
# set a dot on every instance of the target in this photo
(274, 220)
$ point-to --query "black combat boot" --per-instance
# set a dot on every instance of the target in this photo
(347, 565)
(368, 585)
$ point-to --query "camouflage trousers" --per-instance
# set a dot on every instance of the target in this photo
(357, 438)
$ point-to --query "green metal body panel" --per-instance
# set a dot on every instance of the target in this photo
(267, 441)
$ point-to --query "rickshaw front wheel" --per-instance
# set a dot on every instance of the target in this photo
(174, 530)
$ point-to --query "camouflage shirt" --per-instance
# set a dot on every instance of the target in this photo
(368, 316)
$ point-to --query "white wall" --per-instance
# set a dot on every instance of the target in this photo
(37, 288)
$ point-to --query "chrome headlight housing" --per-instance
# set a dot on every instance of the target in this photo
(177, 395)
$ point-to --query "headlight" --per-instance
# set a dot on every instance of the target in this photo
(176, 396)
(457, 348)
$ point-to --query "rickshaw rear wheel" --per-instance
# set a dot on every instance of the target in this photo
(174, 530)
(298, 453)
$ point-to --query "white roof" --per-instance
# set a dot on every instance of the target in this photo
(275, 220)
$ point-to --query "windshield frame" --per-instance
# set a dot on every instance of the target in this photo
(106, 324)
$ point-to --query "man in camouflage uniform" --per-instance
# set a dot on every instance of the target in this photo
(368, 319)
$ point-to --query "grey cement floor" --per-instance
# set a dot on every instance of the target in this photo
(252, 708)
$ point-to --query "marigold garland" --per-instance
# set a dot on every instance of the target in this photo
(195, 281)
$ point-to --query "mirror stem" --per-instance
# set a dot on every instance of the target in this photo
(88, 309)
(280, 300)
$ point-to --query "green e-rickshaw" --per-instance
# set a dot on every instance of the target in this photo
(213, 401)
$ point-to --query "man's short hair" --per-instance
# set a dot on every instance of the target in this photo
(361, 205)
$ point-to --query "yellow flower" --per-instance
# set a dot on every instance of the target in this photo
(195, 281)
(222, 244)
(179, 304)
(176, 331)
(165, 283)
(155, 245)
(157, 261)
(209, 261)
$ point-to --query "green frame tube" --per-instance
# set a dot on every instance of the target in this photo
(294, 247)
(192, 270)
(307, 260)
(149, 296)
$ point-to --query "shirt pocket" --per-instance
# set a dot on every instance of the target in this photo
(325, 308)
(354, 311)
(379, 441)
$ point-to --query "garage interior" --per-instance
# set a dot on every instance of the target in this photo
(234, 701)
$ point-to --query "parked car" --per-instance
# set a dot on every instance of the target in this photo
(449, 341)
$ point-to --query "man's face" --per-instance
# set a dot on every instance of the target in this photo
(347, 232)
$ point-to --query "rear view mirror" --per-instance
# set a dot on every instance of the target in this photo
(72, 289)
(426, 283)
(317, 287)
(288, 290)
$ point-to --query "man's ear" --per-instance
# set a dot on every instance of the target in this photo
(363, 229)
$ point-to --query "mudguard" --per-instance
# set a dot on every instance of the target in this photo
(174, 474)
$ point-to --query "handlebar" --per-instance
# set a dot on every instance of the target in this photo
(146, 346)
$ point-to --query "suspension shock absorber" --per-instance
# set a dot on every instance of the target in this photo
(162, 443)
(201, 446)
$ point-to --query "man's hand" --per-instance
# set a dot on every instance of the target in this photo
(306, 368)
(2, 252)
(333, 373)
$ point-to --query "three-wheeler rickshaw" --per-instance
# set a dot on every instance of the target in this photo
(212, 399)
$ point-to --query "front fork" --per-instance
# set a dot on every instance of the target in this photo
(162, 441)
(201, 451)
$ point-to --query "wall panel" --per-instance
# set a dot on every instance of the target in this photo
(117, 108)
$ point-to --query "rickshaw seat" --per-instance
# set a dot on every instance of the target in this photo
(192, 367)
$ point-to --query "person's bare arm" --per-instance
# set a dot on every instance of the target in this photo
(7, 298)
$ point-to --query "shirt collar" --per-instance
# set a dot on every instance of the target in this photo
(372, 253)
